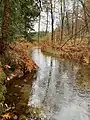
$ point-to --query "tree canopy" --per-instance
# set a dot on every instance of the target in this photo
(22, 16)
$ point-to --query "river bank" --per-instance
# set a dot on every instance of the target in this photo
(76, 53)
(16, 68)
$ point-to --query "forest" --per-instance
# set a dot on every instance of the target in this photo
(44, 59)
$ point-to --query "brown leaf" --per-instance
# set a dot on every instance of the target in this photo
(6, 116)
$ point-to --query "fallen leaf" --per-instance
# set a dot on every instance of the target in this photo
(6, 116)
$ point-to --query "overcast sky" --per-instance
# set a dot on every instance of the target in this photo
(56, 16)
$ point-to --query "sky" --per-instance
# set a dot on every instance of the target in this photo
(56, 16)
(43, 20)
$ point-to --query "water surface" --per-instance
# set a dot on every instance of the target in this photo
(61, 88)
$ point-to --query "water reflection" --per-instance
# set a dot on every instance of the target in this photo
(17, 96)
(55, 88)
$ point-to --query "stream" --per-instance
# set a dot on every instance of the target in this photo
(60, 87)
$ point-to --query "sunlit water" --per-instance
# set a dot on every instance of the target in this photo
(61, 88)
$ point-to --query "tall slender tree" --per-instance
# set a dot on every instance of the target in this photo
(52, 20)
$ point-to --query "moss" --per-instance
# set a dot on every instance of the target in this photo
(2, 77)
(2, 90)
(22, 117)
(2, 98)
(1, 108)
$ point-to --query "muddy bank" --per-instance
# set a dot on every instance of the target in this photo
(17, 97)
(15, 83)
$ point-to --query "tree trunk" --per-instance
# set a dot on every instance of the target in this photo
(5, 28)
(62, 19)
(39, 28)
(76, 22)
(47, 10)
(6, 20)
(52, 24)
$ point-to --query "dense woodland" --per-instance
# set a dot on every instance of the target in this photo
(66, 19)
(16, 20)
(69, 19)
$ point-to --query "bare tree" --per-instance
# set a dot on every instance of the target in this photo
(52, 19)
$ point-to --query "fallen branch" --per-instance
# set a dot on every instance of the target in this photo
(74, 35)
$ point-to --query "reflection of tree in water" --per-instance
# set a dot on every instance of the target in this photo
(48, 82)
(83, 78)
(62, 67)
(65, 66)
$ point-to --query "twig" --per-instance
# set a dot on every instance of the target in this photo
(74, 35)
